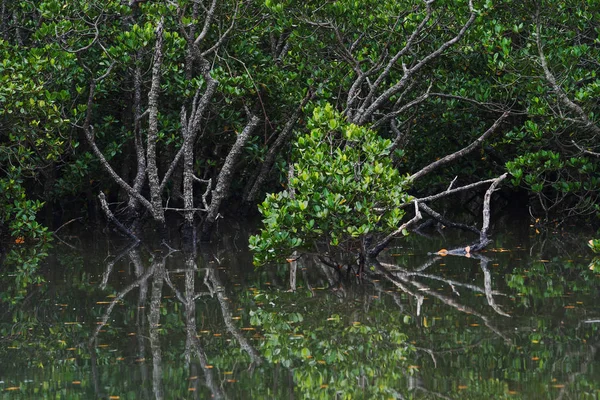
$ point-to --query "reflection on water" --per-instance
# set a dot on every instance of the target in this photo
(521, 320)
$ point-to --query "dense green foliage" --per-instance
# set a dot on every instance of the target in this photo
(429, 77)
(344, 188)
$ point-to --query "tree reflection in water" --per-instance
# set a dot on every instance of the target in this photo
(159, 275)
(181, 325)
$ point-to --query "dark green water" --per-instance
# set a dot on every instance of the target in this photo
(522, 321)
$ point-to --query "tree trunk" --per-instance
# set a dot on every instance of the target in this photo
(221, 190)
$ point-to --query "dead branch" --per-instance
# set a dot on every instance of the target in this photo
(447, 222)
(281, 140)
(375, 250)
(369, 107)
(110, 216)
(583, 120)
(585, 151)
(460, 153)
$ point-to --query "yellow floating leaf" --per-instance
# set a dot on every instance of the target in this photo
(535, 358)
(462, 387)
(191, 389)
(558, 386)
(76, 382)
(228, 373)
(12, 388)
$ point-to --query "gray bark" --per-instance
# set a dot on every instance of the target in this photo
(378, 248)
(274, 150)
(152, 137)
(362, 111)
(460, 153)
(190, 129)
(224, 179)
(140, 176)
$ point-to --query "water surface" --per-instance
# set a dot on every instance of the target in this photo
(521, 320)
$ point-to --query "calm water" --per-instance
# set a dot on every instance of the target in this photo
(521, 321)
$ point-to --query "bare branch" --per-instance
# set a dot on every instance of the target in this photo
(375, 250)
(363, 115)
(460, 153)
(583, 121)
(224, 179)
(447, 222)
(283, 137)
(224, 34)
(486, 205)
(585, 151)
(210, 13)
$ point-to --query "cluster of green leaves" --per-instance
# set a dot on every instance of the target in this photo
(550, 174)
(543, 158)
(17, 212)
(34, 134)
(344, 189)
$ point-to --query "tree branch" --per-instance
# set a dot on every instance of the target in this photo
(460, 153)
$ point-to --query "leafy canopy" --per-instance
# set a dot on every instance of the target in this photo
(345, 188)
